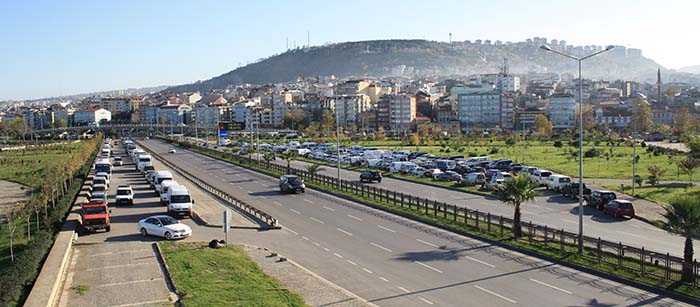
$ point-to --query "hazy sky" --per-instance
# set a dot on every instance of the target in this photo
(52, 48)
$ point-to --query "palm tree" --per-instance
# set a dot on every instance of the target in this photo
(516, 192)
(313, 169)
(288, 156)
(269, 158)
(683, 218)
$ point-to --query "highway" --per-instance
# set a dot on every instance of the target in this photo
(391, 261)
(549, 209)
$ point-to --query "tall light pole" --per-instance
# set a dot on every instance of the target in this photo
(337, 139)
(580, 135)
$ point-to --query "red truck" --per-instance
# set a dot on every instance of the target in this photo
(94, 216)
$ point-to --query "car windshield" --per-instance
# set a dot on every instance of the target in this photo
(608, 196)
(95, 210)
(565, 180)
(294, 180)
(545, 174)
(117, 159)
(625, 206)
(98, 188)
(123, 192)
(166, 220)
(179, 199)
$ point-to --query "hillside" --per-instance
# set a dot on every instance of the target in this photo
(413, 58)
(695, 69)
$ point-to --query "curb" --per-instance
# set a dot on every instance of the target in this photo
(168, 276)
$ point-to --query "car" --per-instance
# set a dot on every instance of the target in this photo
(291, 184)
(474, 179)
(118, 161)
(418, 171)
(100, 180)
(103, 174)
(501, 164)
(571, 190)
(599, 198)
(432, 173)
(490, 172)
(539, 176)
(124, 196)
(164, 226)
(150, 176)
(98, 191)
(449, 176)
(495, 183)
(172, 150)
(516, 168)
(619, 207)
(179, 201)
(556, 182)
(369, 176)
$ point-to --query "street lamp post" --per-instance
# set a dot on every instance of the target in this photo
(337, 138)
(580, 135)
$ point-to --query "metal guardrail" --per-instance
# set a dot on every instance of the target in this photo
(263, 216)
(652, 264)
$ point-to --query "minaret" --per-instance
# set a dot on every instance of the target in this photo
(658, 85)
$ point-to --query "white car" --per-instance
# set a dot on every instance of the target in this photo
(164, 226)
(172, 150)
(118, 161)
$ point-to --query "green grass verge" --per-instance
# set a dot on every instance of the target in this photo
(567, 254)
(222, 277)
(661, 194)
(28, 166)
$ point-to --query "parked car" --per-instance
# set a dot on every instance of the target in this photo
(103, 174)
(449, 176)
(118, 161)
(291, 184)
(369, 176)
(539, 176)
(619, 207)
(94, 216)
(501, 164)
(98, 191)
(164, 226)
(495, 183)
(571, 190)
(490, 172)
(124, 196)
(557, 182)
(100, 180)
(516, 168)
(601, 197)
(432, 173)
(418, 171)
(474, 179)
(172, 150)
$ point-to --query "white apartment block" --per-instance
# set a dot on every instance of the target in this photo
(402, 111)
(85, 117)
(481, 109)
(346, 108)
(562, 111)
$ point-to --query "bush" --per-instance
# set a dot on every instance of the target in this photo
(592, 153)
(494, 150)
(596, 143)
(558, 144)
(510, 142)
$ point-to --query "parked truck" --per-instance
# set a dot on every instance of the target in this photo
(94, 216)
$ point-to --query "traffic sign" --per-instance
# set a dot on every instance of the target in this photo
(223, 134)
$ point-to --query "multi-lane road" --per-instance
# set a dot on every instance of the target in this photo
(391, 261)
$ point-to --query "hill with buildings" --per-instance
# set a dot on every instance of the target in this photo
(415, 58)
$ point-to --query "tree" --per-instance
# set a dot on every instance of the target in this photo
(327, 121)
(688, 166)
(516, 192)
(542, 125)
(12, 213)
(313, 169)
(288, 120)
(415, 140)
(655, 173)
(288, 156)
(379, 134)
(683, 218)
(641, 116)
(682, 120)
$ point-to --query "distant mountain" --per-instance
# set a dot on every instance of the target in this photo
(122, 92)
(695, 69)
(414, 58)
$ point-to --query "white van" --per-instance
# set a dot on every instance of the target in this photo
(557, 182)
(540, 176)
(396, 167)
(165, 190)
(160, 177)
(180, 201)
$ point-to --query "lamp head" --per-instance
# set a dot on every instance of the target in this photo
(546, 47)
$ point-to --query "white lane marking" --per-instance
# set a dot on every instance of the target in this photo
(338, 255)
(548, 209)
(553, 287)
(249, 191)
(427, 243)
(495, 294)
(354, 217)
(383, 279)
(343, 231)
(379, 246)
(293, 196)
(351, 262)
(123, 252)
(262, 196)
(276, 203)
(427, 266)
(526, 212)
(308, 201)
(142, 303)
(126, 283)
(403, 289)
(305, 238)
(569, 221)
(319, 245)
(290, 230)
(479, 261)
(425, 301)
(317, 220)
(628, 234)
(326, 249)
(237, 175)
(328, 208)
(295, 211)
(231, 183)
(366, 270)
(387, 229)
(119, 266)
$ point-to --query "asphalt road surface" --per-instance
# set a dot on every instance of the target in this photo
(391, 261)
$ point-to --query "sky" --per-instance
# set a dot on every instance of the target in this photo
(53, 48)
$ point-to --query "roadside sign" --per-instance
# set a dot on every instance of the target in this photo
(223, 134)
(226, 225)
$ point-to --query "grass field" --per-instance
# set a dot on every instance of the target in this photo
(222, 277)
(29, 166)
(662, 193)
